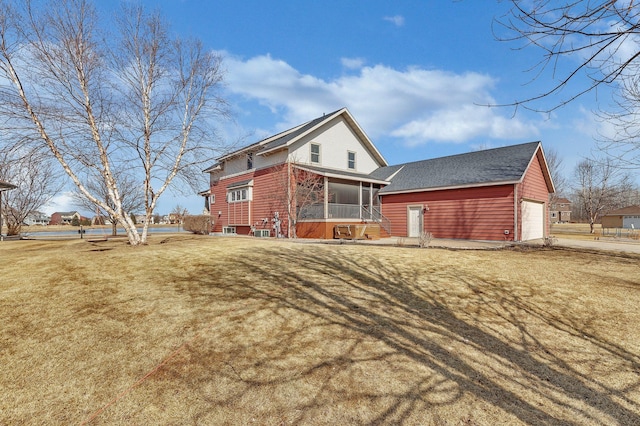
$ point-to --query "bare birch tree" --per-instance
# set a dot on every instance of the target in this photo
(135, 99)
(132, 197)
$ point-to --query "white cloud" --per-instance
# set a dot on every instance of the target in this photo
(416, 105)
(62, 202)
(397, 20)
(352, 63)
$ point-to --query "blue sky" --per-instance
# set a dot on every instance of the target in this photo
(416, 75)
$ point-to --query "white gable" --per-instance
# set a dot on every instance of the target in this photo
(336, 139)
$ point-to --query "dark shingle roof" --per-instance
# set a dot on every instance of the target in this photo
(240, 184)
(340, 173)
(283, 140)
(506, 164)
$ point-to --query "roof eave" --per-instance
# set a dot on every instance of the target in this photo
(445, 188)
(338, 175)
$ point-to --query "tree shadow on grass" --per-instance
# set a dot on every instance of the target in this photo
(442, 337)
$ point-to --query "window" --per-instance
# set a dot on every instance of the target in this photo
(315, 153)
(351, 160)
(237, 195)
(250, 161)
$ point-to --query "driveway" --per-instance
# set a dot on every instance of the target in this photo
(622, 245)
(626, 246)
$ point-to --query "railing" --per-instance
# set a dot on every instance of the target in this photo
(376, 215)
(344, 211)
(314, 211)
(336, 211)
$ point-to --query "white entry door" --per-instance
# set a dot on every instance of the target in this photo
(532, 220)
(415, 221)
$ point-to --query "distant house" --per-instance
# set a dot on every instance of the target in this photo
(141, 219)
(64, 218)
(560, 211)
(173, 218)
(37, 218)
(626, 218)
(496, 194)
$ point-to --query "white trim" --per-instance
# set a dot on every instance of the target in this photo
(420, 224)
(444, 188)
(355, 160)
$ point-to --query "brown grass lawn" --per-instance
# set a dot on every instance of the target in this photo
(204, 330)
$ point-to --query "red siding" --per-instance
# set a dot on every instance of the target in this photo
(224, 213)
(534, 188)
(482, 213)
(269, 186)
(269, 196)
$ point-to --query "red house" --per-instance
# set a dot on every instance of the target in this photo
(326, 179)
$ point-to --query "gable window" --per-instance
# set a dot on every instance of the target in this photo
(250, 161)
(315, 153)
(351, 160)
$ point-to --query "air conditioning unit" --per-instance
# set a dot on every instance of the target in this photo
(228, 229)
(262, 233)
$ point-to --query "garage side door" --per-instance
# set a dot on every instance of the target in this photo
(532, 220)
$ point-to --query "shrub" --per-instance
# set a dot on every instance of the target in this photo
(425, 239)
(200, 224)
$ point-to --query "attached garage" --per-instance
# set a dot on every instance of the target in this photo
(496, 194)
(532, 220)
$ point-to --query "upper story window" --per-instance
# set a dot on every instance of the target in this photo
(250, 161)
(238, 195)
(351, 160)
(315, 153)
(240, 191)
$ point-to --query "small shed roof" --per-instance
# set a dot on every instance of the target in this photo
(629, 210)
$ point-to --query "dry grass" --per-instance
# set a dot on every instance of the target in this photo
(253, 331)
(576, 231)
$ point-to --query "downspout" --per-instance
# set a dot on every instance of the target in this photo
(289, 200)
(515, 212)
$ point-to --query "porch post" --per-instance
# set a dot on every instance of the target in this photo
(360, 200)
(372, 217)
(326, 197)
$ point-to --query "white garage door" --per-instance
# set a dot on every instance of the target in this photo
(532, 220)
